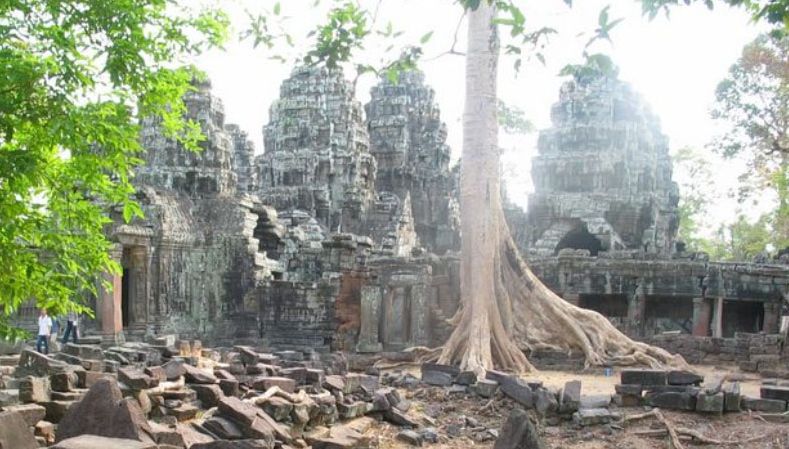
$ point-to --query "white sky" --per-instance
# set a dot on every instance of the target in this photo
(674, 63)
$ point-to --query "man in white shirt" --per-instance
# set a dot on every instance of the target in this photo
(44, 329)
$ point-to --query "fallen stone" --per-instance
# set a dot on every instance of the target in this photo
(183, 412)
(399, 418)
(731, 397)
(545, 402)
(570, 398)
(45, 430)
(354, 409)
(32, 362)
(595, 401)
(684, 378)
(83, 351)
(298, 374)
(710, 403)
(104, 412)
(56, 410)
(466, 378)
(519, 391)
(65, 380)
(334, 382)
(592, 416)
(643, 377)
(135, 379)
(774, 392)
(237, 444)
(631, 389)
(31, 413)
(195, 375)
(209, 395)
(263, 383)
(277, 407)
(410, 437)
(486, 388)
(230, 387)
(254, 422)
(174, 369)
(518, 432)
(340, 437)
(626, 400)
(34, 389)
(99, 442)
(763, 405)
(438, 375)
(223, 428)
(15, 432)
(671, 400)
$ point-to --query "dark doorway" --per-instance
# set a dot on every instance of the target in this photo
(580, 238)
(125, 299)
(742, 316)
(607, 305)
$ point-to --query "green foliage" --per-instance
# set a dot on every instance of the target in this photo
(594, 66)
(775, 12)
(77, 76)
(345, 31)
(513, 120)
(754, 100)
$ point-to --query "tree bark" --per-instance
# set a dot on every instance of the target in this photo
(504, 308)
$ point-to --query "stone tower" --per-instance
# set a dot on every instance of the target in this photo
(197, 173)
(317, 155)
(602, 179)
(407, 138)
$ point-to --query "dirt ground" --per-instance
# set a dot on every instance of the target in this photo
(467, 421)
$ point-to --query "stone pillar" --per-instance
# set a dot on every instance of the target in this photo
(419, 316)
(701, 317)
(636, 308)
(370, 311)
(772, 318)
(717, 318)
(110, 308)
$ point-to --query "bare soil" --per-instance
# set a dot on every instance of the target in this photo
(468, 421)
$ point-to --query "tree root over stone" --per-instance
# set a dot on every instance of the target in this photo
(525, 315)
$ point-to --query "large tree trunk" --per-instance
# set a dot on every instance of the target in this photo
(505, 309)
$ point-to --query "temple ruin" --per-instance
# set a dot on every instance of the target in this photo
(343, 234)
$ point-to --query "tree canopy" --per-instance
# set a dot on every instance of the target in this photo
(76, 78)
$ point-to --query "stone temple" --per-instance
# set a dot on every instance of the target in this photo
(343, 234)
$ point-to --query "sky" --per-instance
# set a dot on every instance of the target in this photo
(675, 63)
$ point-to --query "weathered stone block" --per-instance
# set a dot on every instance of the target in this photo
(645, 377)
(763, 405)
(209, 395)
(710, 403)
(518, 391)
(592, 416)
(570, 398)
(486, 388)
(684, 378)
(671, 400)
(31, 413)
(15, 432)
(263, 383)
(774, 392)
(731, 397)
(34, 389)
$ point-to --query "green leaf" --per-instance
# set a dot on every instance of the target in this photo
(276, 8)
(425, 37)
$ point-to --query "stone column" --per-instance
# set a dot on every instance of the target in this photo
(370, 310)
(717, 318)
(701, 317)
(772, 318)
(109, 306)
(419, 316)
(636, 308)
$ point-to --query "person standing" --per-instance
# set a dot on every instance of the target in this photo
(44, 330)
(71, 327)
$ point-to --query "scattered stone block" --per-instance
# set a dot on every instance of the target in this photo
(774, 392)
(410, 437)
(135, 379)
(209, 395)
(314, 376)
(486, 388)
(398, 418)
(518, 432)
(104, 412)
(671, 400)
(731, 397)
(570, 398)
(174, 369)
(439, 375)
(643, 377)
(629, 389)
(545, 402)
(56, 410)
(592, 416)
(707, 403)
(277, 407)
(34, 389)
(31, 413)
(334, 382)
(595, 401)
(9, 397)
(183, 412)
(45, 430)
(763, 405)
(195, 375)
(263, 383)
(230, 387)
(626, 400)
(99, 442)
(519, 391)
(223, 428)
(15, 432)
(684, 378)
(298, 374)
(466, 378)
